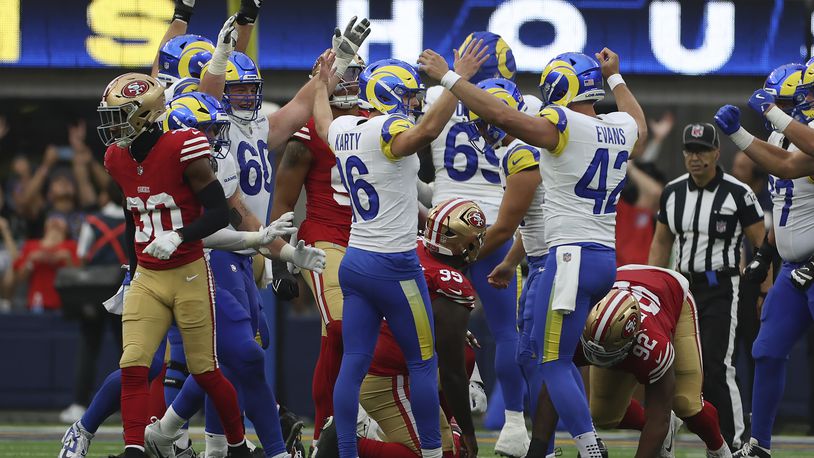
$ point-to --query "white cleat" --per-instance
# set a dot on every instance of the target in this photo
(72, 414)
(668, 446)
(158, 444)
(366, 426)
(722, 452)
(75, 442)
(514, 439)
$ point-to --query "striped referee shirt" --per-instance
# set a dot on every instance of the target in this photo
(708, 222)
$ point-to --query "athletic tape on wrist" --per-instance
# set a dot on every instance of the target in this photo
(742, 138)
(779, 119)
(615, 80)
(449, 79)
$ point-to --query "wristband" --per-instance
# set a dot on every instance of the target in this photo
(220, 58)
(287, 253)
(742, 138)
(182, 15)
(615, 80)
(778, 118)
(449, 79)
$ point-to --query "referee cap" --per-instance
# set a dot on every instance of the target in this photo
(701, 136)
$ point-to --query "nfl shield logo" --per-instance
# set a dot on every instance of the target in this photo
(697, 130)
(566, 257)
(720, 226)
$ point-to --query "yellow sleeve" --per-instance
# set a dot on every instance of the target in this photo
(394, 125)
(556, 116)
(520, 158)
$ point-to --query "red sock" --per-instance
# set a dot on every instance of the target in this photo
(157, 403)
(705, 425)
(369, 448)
(469, 354)
(325, 375)
(135, 404)
(224, 396)
(634, 416)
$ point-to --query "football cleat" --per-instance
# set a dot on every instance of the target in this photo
(291, 426)
(366, 426)
(600, 444)
(158, 444)
(513, 440)
(668, 446)
(752, 450)
(75, 442)
(72, 414)
(187, 452)
(241, 451)
(722, 452)
(328, 446)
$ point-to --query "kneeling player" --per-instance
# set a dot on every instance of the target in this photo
(453, 236)
(645, 330)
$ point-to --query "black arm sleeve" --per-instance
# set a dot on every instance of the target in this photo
(215, 215)
(662, 215)
(129, 240)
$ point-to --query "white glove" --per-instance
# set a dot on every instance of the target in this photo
(227, 40)
(304, 257)
(347, 45)
(164, 245)
(477, 398)
(284, 225)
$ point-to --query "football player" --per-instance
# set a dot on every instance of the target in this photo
(453, 235)
(380, 275)
(788, 310)
(308, 161)
(644, 331)
(467, 166)
(579, 218)
(165, 173)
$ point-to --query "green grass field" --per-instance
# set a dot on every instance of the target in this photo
(43, 441)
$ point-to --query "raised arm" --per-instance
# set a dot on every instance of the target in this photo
(178, 26)
(775, 160)
(213, 80)
(625, 100)
(801, 135)
(531, 129)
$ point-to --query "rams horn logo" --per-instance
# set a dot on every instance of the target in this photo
(630, 326)
(135, 89)
(476, 219)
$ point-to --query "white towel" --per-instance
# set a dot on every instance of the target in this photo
(115, 304)
(566, 281)
(267, 278)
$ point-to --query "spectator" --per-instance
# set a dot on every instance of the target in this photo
(39, 261)
(8, 254)
(101, 243)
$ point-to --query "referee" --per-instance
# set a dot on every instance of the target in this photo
(707, 212)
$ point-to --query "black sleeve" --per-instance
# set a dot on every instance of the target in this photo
(214, 217)
(662, 216)
(749, 211)
(129, 240)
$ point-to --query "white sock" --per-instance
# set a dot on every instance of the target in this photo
(239, 443)
(171, 422)
(587, 446)
(431, 453)
(134, 446)
(183, 442)
(515, 418)
(215, 445)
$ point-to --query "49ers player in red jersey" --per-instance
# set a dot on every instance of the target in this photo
(172, 201)
(308, 161)
(454, 234)
(645, 331)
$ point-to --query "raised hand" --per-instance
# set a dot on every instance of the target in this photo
(728, 119)
(183, 10)
(227, 37)
(608, 61)
(469, 61)
(761, 101)
(347, 44)
(249, 9)
(325, 64)
(431, 63)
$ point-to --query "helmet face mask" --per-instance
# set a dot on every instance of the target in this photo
(346, 93)
(243, 99)
(392, 86)
(129, 105)
(477, 127)
(455, 228)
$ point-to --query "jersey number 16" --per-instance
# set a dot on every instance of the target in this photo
(355, 184)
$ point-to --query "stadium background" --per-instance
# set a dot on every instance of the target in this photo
(683, 57)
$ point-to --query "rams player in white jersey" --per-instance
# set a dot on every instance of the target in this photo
(788, 311)
(380, 274)
(583, 169)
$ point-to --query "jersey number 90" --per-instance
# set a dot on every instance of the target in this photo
(365, 206)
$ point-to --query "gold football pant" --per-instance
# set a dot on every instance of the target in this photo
(156, 297)
(385, 400)
(325, 286)
(611, 390)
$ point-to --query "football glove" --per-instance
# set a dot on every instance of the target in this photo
(183, 10)
(477, 398)
(248, 11)
(347, 45)
(283, 283)
(760, 101)
(163, 246)
(304, 257)
(728, 119)
(227, 40)
(803, 276)
(757, 270)
(283, 225)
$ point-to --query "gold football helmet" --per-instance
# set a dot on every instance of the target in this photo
(456, 227)
(130, 103)
(611, 328)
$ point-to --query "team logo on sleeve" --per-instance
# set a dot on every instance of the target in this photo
(476, 219)
(135, 89)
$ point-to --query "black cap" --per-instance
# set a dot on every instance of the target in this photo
(700, 136)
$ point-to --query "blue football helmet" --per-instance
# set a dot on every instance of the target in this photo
(183, 56)
(183, 86)
(790, 85)
(389, 85)
(203, 112)
(508, 93)
(572, 77)
(243, 93)
(501, 62)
